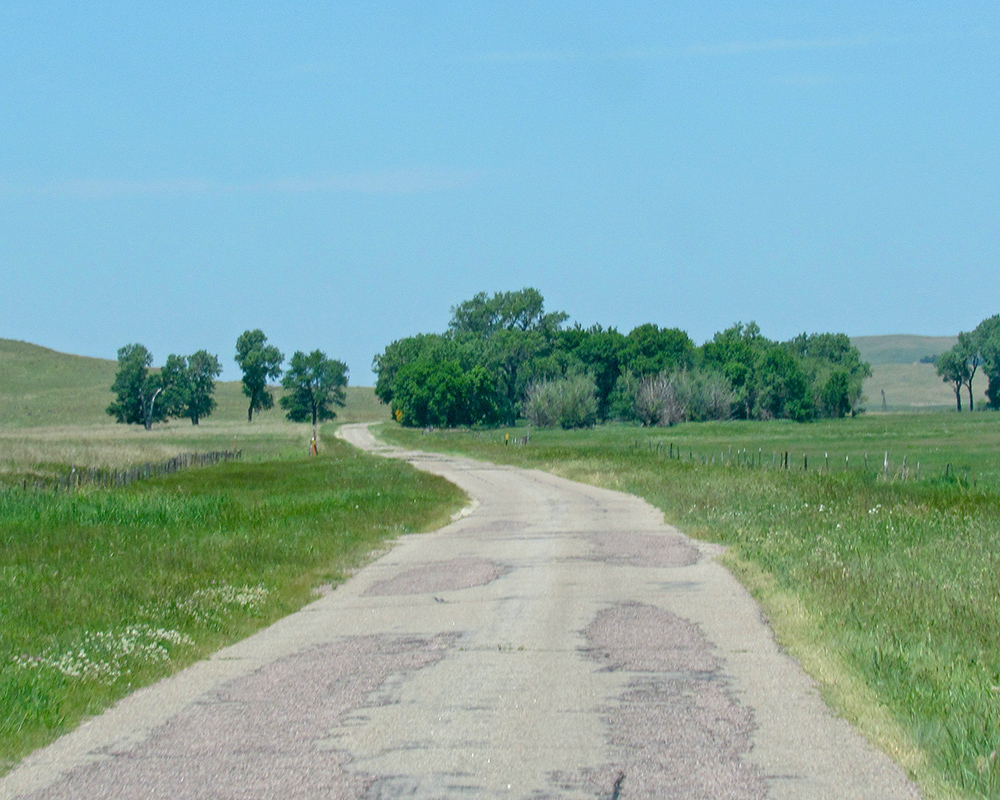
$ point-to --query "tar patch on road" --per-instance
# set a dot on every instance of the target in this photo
(642, 549)
(444, 576)
(678, 730)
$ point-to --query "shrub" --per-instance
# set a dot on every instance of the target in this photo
(569, 402)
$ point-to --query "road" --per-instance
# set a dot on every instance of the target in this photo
(556, 641)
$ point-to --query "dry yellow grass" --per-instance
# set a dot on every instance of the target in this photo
(909, 386)
(49, 451)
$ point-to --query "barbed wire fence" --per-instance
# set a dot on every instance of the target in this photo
(109, 477)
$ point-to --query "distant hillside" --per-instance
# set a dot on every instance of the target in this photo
(901, 349)
(39, 387)
(908, 383)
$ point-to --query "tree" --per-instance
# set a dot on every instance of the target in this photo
(602, 353)
(314, 383)
(833, 366)
(203, 369)
(405, 351)
(174, 375)
(953, 368)
(987, 335)
(783, 391)
(191, 385)
(968, 348)
(835, 395)
(523, 310)
(136, 390)
(260, 362)
(736, 352)
(650, 350)
(658, 401)
(429, 392)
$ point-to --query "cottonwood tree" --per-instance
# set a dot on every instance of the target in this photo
(523, 310)
(968, 348)
(314, 383)
(191, 384)
(260, 363)
(953, 367)
(136, 390)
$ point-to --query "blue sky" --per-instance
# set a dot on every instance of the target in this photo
(341, 174)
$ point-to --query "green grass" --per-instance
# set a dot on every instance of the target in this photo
(888, 591)
(105, 591)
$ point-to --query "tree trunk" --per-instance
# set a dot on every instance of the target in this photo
(958, 396)
(149, 410)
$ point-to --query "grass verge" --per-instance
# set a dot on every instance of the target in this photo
(887, 591)
(105, 591)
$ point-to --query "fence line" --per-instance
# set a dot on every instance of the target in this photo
(120, 478)
(881, 464)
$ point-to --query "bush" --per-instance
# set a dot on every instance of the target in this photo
(569, 402)
(658, 401)
(667, 399)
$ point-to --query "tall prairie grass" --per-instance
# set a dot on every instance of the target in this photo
(887, 590)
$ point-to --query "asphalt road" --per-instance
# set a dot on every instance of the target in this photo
(557, 641)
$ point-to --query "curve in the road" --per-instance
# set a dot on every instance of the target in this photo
(559, 640)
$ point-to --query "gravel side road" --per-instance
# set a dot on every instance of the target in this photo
(556, 641)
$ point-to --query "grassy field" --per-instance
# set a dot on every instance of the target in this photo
(47, 452)
(886, 590)
(104, 591)
(52, 418)
(915, 387)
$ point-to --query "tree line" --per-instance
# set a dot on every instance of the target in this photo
(503, 358)
(185, 385)
(975, 349)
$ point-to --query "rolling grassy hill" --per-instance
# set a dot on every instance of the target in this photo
(901, 349)
(908, 383)
(41, 387)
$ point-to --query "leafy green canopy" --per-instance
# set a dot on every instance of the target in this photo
(182, 388)
(260, 363)
(975, 349)
(190, 385)
(135, 389)
(314, 383)
(503, 357)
